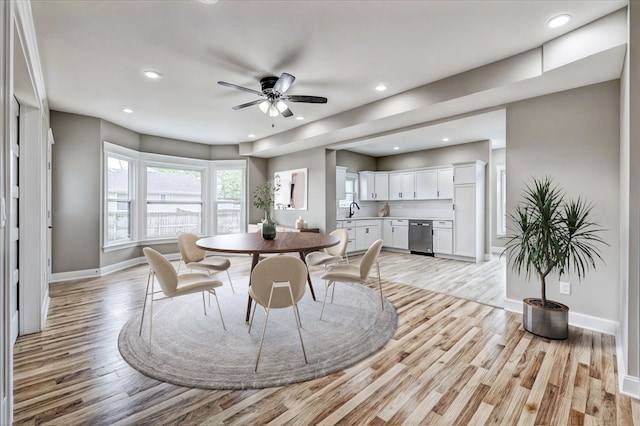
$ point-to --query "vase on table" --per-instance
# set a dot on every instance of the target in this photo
(268, 227)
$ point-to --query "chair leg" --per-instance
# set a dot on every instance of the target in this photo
(230, 283)
(145, 301)
(204, 304)
(297, 314)
(264, 328)
(218, 303)
(380, 286)
(253, 314)
(326, 290)
(153, 282)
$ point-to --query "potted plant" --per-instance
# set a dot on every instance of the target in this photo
(264, 199)
(551, 235)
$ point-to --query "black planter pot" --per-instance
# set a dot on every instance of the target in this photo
(550, 322)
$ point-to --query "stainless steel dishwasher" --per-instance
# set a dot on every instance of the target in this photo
(421, 237)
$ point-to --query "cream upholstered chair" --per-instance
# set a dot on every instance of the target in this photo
(174, 285)
(330, 255)
(350, 273)
(196, 258)
(278, 282)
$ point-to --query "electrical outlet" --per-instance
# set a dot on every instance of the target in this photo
(565, 287)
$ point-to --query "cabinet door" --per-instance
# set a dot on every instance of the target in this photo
(443, 240)
(426, 184)
(367, 186)
(445, 182)
(464, 220)
(381, 186)
(464, 173)
(387, 233)
(401, 237)
(402, 186)
(341, 183)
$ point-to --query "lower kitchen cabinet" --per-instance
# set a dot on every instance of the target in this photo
(395, 233)
(442, 237)
(367, 232)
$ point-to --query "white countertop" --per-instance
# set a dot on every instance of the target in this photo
(393, 217)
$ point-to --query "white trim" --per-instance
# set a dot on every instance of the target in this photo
(588, 322)
(100, 272)
(628, 385)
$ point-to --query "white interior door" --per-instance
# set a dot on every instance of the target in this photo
(13, 228)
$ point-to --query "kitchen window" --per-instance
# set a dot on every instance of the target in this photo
(351, 190)
(501, 197)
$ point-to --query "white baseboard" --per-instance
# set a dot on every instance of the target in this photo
(628, 385)
(95, 273)
(587, 322)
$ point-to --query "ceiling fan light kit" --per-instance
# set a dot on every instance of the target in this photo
(273, 89)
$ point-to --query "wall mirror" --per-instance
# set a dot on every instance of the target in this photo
(292, 194)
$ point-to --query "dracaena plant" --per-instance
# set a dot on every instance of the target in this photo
(550, 234)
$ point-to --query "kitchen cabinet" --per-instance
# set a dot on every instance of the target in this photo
(434, 184)
(468, 210)
(395, 233)
(367, 231)
(350, 226)
(445, 183)
(341, 183)
(374, 186)
(442, 237)
(402, 186)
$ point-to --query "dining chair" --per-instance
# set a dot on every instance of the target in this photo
(174, 285)
(194, 257)
(330, 255)
(278, 282)
(352, 273)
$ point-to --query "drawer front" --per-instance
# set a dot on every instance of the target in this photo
(367, 222)
(443, 224)
(400, 222)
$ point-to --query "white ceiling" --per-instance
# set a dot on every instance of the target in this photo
(93, 54)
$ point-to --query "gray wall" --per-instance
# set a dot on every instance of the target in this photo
(572, 136)
(315, 161)
(75, 192)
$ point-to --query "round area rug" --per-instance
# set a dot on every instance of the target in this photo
(191, 349)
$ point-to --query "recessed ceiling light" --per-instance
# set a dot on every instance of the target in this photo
(152, 74)
(381, 87)
(127, 110)
(251, 135)
(299, 118)
(395, 148)
(558, 21)
(445, 139)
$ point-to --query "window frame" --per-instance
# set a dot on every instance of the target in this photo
(130, 156)
(139, 161)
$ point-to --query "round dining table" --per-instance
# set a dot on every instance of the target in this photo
(285, 242)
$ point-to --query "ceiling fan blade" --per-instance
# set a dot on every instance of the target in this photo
(284, 82)
(248, 104)
(245, 89)
(286, 113)
(307, 99)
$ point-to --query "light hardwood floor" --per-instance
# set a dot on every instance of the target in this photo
(451, 361)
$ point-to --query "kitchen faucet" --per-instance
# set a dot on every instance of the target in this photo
(351, 212)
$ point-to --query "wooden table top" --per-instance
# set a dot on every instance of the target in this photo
(285, 242)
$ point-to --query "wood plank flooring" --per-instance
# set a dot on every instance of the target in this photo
(451, 361)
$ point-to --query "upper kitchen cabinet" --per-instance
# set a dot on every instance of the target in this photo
(434, 184)
(374, 186)
(402, 186)
(468, 210)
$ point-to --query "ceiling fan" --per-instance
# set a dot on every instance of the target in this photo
(273, 89)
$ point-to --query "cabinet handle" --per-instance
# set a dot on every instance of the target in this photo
(438, 194)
